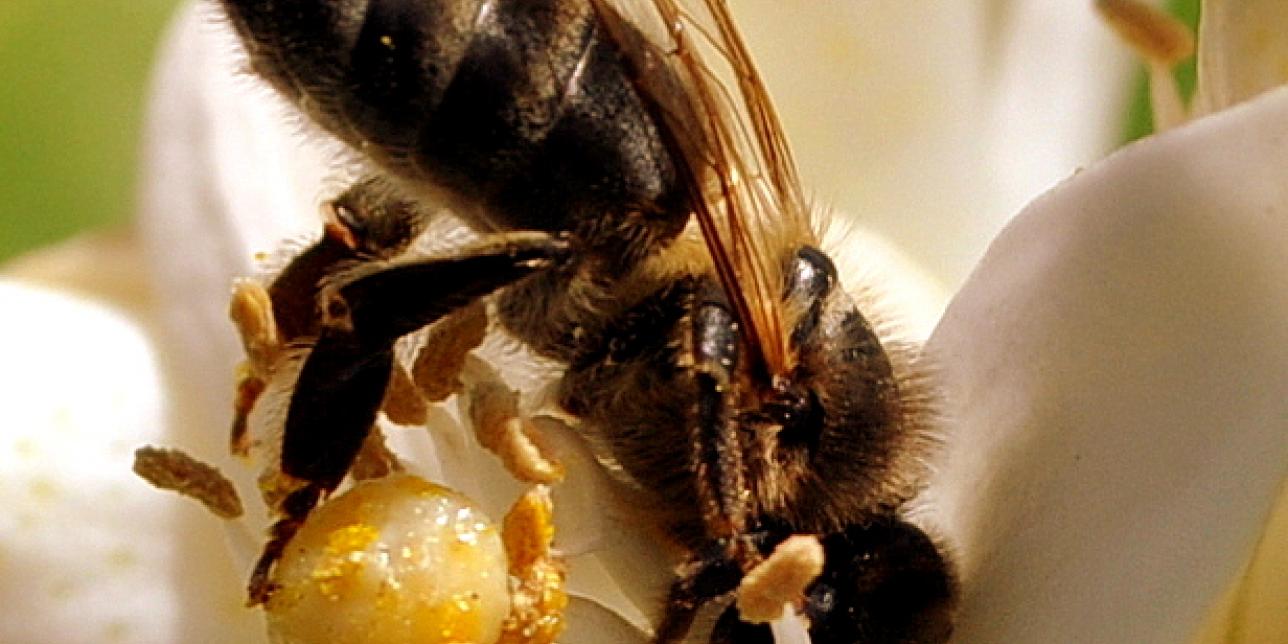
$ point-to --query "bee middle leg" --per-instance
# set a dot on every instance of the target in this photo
(717, 460)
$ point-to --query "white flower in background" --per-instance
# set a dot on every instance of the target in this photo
(1117, 363)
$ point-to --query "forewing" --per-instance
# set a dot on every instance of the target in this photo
(691, 63)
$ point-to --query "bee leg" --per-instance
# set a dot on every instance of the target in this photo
(366, 221)
(718, 467)
(343, 380)
(717, 457)
(296, 508)
(705, 577)
(882, 581)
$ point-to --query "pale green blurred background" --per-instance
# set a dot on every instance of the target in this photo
(73, 77)
(73, 80)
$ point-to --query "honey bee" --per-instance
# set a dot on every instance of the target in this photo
(644, 228)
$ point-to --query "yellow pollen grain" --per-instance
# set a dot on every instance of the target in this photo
(122, 558)
(43, 490)
(457, 617)
(337, 570)
(25, 448)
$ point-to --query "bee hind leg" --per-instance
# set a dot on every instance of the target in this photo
(344, 379)
(345, 376)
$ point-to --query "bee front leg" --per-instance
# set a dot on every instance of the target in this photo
(344, 378)
(718, 469)
(717, 460)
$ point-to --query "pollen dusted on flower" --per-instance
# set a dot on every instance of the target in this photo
(391, 560)
(400, 559)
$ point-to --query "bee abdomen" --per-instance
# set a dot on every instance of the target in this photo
(521, 109)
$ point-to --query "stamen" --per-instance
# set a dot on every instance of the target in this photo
(171, 469)
(537, 597)
(251, 310)
(1162, 41)
(780, 579)
(504, 431)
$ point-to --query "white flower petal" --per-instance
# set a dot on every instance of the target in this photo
(1242, 51)
(1253, 610)
(1055, 102)
(87, 549)
(589, 622)
(1118, 369)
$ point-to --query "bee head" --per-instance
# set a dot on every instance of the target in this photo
(844, 426)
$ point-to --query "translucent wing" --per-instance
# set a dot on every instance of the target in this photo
(691, 63)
